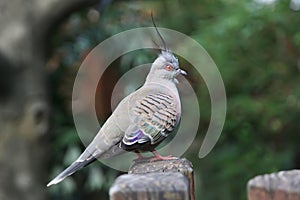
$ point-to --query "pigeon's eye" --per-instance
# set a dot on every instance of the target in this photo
(169, 67)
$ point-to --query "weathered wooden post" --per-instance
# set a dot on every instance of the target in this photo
(284, 185)
(158, 180)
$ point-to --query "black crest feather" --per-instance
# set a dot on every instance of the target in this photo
(158, 33)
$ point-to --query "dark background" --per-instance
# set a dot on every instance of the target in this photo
(255, 44)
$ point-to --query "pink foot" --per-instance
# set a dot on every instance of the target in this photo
(139, 155)
(157, 156)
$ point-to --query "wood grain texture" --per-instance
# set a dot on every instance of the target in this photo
(284, 185)
(158, 180)
(154, 186)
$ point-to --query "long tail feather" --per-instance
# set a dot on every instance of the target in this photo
(70, 170)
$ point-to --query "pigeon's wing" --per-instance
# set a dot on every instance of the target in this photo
(153, 117)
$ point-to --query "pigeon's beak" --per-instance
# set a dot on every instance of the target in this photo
(183, 72)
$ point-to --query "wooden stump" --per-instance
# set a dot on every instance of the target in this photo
(284, 185)
(158, 180)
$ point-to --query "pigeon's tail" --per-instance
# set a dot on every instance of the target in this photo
(78, 164)
(100, 148)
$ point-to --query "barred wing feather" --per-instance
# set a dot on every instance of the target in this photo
(155, 116)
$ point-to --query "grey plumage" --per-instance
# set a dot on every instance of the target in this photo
(141, 120)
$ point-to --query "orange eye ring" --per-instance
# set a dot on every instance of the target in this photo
(169, 67)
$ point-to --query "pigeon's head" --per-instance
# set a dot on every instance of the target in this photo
(166, 66)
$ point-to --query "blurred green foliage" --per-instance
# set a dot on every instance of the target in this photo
(256, 46)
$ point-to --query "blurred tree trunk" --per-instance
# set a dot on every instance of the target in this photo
(24, 110)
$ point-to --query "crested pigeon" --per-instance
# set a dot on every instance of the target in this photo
(142, 120)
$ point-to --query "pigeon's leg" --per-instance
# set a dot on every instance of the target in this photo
(139, 155)
(157, 156)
